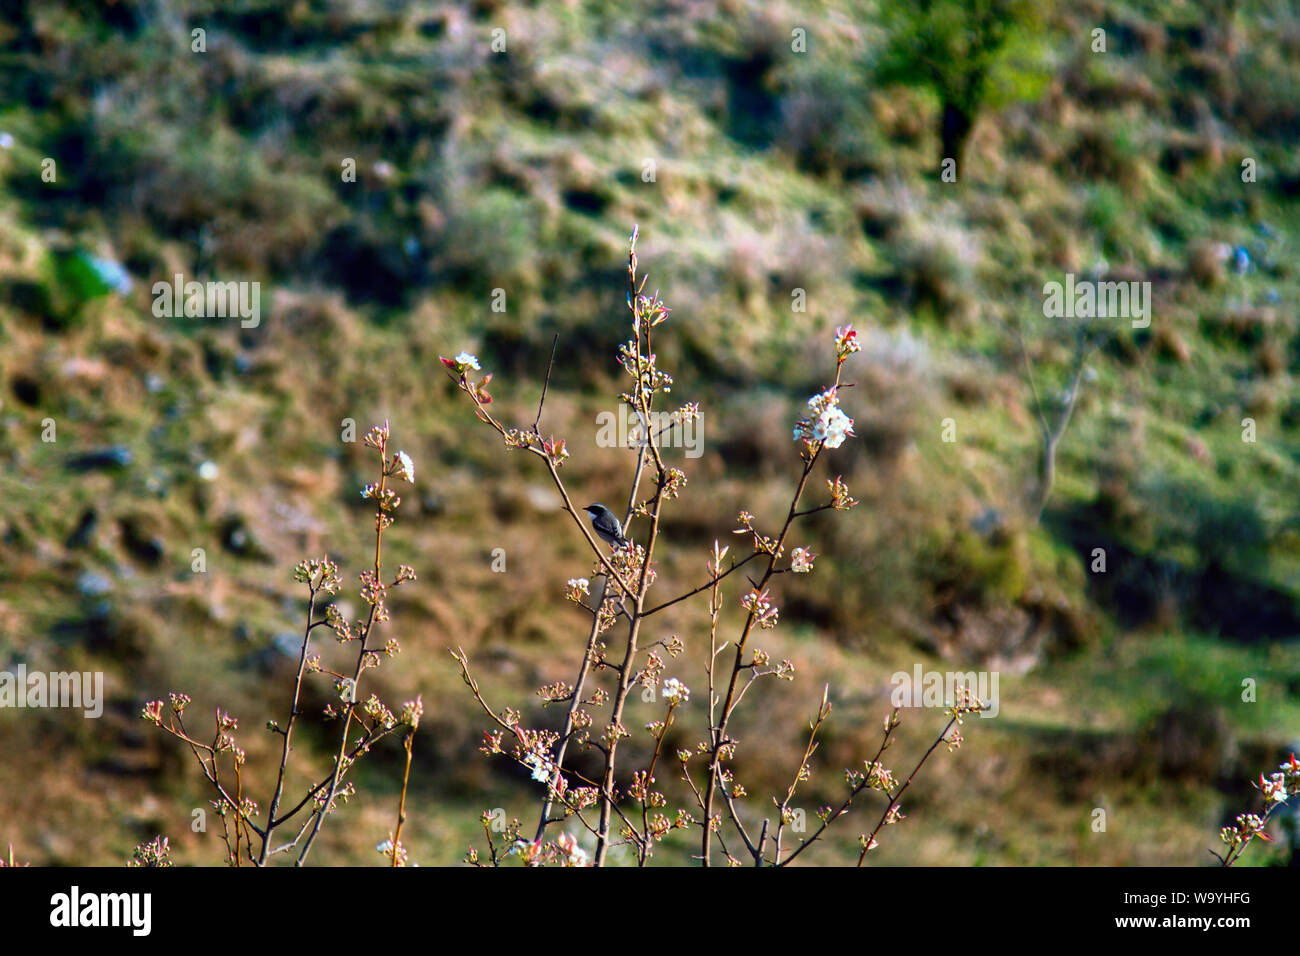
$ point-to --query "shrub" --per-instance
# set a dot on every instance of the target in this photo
(622, 806)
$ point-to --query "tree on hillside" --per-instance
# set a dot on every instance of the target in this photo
(970, 53)
(1054, 414)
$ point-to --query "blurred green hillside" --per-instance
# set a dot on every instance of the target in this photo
(761, 179)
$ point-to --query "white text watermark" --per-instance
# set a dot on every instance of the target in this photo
(939, 689)
(1086, 299)
(208, 300)
(76, 689)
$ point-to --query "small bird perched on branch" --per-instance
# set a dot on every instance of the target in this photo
(606, 525)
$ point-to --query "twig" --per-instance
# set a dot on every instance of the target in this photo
(545, 384)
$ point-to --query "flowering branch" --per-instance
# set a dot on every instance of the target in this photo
(629, 569)
(321, 576)
(1251, 825)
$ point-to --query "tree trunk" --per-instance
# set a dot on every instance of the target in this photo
(1046, 477)
(955, 127)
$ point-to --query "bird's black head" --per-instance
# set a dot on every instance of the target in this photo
(595, 509)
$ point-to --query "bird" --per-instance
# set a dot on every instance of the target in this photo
(606, 525)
